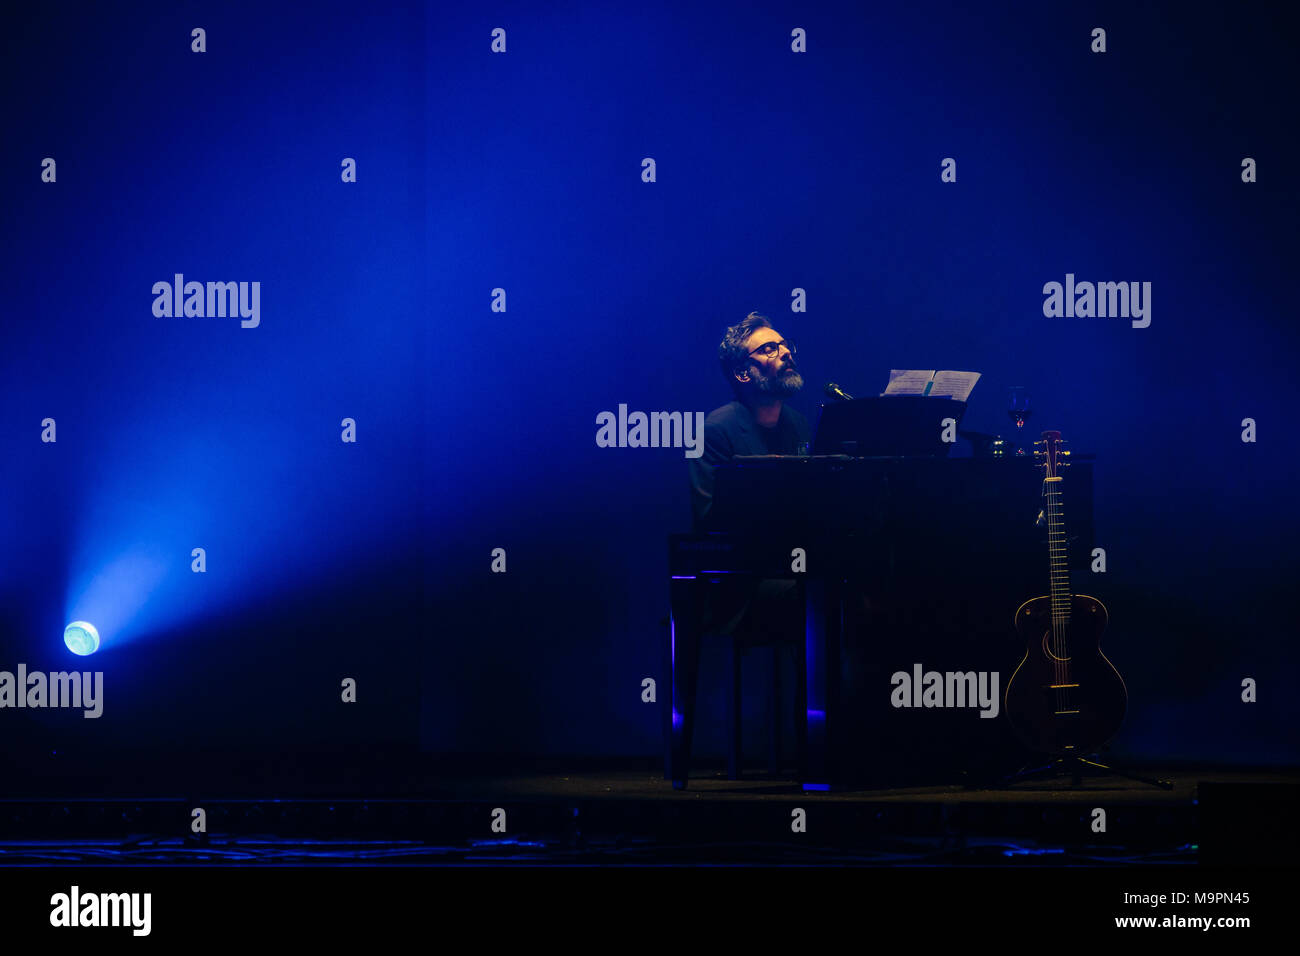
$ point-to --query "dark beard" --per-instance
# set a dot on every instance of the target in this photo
(781, 385)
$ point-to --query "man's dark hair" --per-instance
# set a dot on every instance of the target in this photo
(732, 353)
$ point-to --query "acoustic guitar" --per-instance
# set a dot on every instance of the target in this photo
(1066, 697)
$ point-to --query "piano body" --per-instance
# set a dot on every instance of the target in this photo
(944, 549)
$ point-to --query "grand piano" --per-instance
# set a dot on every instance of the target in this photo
(942, 551)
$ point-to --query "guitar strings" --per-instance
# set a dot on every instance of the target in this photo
(1059, 611)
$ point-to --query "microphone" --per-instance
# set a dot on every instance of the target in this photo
(837, 393)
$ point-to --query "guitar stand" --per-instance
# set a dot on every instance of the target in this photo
(1076, 766)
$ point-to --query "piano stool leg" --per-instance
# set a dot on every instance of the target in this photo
(800, 709)
(821, 663)
(684, 651)
(735, 715)
(666, 701)
(775, 715)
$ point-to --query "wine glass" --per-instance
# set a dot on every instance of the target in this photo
(1018, 411)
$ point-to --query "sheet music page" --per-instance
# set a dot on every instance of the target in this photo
(956, 385)
(903, 382)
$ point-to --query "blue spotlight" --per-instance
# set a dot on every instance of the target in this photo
(81, 637)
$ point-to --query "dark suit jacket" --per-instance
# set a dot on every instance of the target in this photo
(732, 430)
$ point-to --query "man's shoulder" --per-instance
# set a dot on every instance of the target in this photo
(734, 415)
(726, 415)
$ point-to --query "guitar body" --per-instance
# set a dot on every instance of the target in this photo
(1071, 703)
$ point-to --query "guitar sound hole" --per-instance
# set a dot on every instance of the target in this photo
(1047, 648)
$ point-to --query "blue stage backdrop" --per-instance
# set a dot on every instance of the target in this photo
(432, 244)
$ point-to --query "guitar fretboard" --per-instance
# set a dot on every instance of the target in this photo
(1058, 553)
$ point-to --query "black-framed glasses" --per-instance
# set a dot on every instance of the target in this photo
(769, 349)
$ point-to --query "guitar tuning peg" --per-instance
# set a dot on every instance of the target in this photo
(1065, 453)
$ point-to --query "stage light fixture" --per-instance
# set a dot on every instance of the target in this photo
(81, 637)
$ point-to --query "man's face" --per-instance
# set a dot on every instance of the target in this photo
(772, 368)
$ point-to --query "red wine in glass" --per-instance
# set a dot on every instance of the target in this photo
(1018, 411)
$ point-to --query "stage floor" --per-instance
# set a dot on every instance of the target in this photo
(395, 809)
(714, 786)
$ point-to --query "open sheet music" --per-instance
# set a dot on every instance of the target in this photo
(956, 385)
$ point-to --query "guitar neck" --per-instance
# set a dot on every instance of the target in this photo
(1058, 551)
